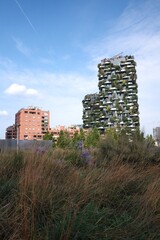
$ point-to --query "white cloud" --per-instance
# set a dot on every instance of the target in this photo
(31, 92)
(21, 47)
(3, 113)
(64, 84)
(17, 89)
(61, 94)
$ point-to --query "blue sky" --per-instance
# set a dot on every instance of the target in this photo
(49, 51)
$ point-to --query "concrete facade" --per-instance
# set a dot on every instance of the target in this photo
(21, 145)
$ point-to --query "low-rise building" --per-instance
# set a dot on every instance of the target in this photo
(70, 130)
(11, 132)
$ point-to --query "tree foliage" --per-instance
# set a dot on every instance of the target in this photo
(48, 136)
(64, 139)
(92, 138)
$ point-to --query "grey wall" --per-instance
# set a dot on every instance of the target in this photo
(11, 144)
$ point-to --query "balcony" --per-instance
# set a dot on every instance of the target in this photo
(133, 129)
(108, 73)
(107, 82)
(113, 88)
(131, 86)
(101, 66)
(130, 66)
(123, 71)
(101, 128)
(87, 125)
(103, 117)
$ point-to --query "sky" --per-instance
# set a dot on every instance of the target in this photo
(49, 51)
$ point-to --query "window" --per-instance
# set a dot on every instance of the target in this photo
(32, 112)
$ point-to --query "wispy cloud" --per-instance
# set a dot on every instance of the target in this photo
(47, 61)
(6, 63)
(21, 47)
(136, 32)
(3, 113)
(68, 84)
(17, 89)
(25, 15)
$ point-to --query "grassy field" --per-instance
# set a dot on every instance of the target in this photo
(111, 191)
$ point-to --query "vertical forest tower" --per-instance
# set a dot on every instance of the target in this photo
(116, 104)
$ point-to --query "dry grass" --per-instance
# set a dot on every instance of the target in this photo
(44, 198)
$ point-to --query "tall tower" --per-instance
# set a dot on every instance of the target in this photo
(91, 110)
(116, 105)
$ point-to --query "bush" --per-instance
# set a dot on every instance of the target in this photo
(135, 149)
(57, 196)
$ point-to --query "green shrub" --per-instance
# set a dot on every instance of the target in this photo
(135, 149)
(56, 196)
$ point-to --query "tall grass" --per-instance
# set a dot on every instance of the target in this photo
(58, 196)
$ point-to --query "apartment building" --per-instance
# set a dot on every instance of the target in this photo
(31, 123)
(11, 132)
(116, 104)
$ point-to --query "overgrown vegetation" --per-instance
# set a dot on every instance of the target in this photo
(108, 189)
